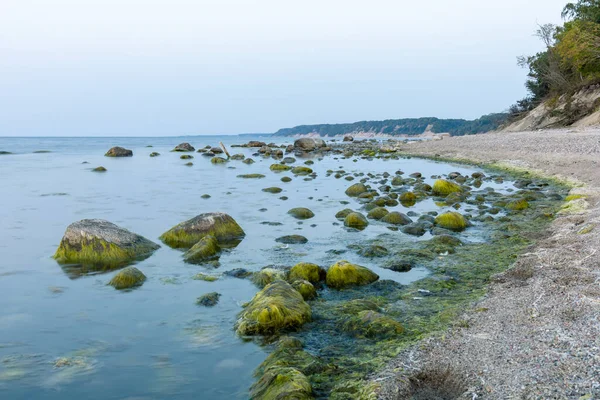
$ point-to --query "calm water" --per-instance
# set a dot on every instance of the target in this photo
(153, 342)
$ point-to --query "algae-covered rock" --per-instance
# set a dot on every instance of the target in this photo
(267, 275)
(248, 161)
(451, 220)
(396, 218)
(127, 278)
(377, 213)
(281, 383)
(154, 154)
(414, 229)
(186, 157)
(182, 147)
(292, 239)
(206, 249)
(220, 225)
(218, 160)
(276, 308)
(305, 288)
(99, 169)
(300, 170)
(238, 157)
(373, 250)
(273, 190)
(119, 152)
(517, 205)
(343, 213)
(208, 299)
(408, 198)
(343, 274)
(204, 277)
(372, 324)
(301, 213)
(306, 271)
(250, 176)
(286, 179)
(279, 167)
(447, 240)
(356, 190)
(442, 187)
(101, 243)
(356, 220)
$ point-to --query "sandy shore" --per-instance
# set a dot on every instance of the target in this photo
(536, 335)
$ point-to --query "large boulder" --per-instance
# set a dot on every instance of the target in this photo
(119, 152)
(276, 308)
(344, 274)
(308, 144)
(101, 243)
(220, 225)
(184, 147)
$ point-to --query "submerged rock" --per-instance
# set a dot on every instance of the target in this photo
(99, 169)
(250, 176)
(279, 167)
(206, 249)
(279, 383)
(276, 308)
(218, 160)
(101, 243)
(273, 190)
(220, 225)
(208, 299)
(154, 154)
(127, 278)
(292, 239)
(119, 152)
(184, 147)
(300, 170)
(343, 274)
(301, 213)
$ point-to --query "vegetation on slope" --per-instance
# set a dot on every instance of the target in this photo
(570, 61)
(407, 126)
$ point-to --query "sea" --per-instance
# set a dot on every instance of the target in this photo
(65, 334)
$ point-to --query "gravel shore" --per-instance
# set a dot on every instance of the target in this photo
(535, 335)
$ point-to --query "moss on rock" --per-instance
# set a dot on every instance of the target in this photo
(344, 274)
(101, 244)
(305, 288)
(267, 275)
(356, 190)
(451, 220)
(396, 218)
(306, 271)
(301, 213)
(377, 213)
(279, 167)
(127, 278)
(206, 249)
(356, 220)
(276, 308)
(204, 277)
(220, 225)
(442, 187)
(281, 383)
(517, 205)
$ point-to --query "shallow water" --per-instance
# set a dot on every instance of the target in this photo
(155, 342)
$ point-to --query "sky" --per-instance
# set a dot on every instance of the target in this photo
(192, 67)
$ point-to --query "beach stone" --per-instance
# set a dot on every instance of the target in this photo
(99, 169)
(356, 190)
(308, 144)
(183, 147)
(118, 152)
(220, 225)
(356, 220)
(102, 243)
(396, 218)
(255, 143)
(301, 213)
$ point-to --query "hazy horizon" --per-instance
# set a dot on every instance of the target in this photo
(188, 68)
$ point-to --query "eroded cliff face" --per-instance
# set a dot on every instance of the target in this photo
(578, 110)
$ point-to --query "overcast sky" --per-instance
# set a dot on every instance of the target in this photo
(173, 67)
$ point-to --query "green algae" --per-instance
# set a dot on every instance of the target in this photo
(451, 220)
(305, 288)
(377, 213)
(344, 274)
(206, 249)
(276, 308)
(186, 234)
(268, 275)
(127, 278)
(356, 190)
(204, 277)
(421, 309)
(251, 176)
(356, 220)
(517, 205)
(442, 187)
(279, 167)
(208, 299)
(300, 170)
(306, 271)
